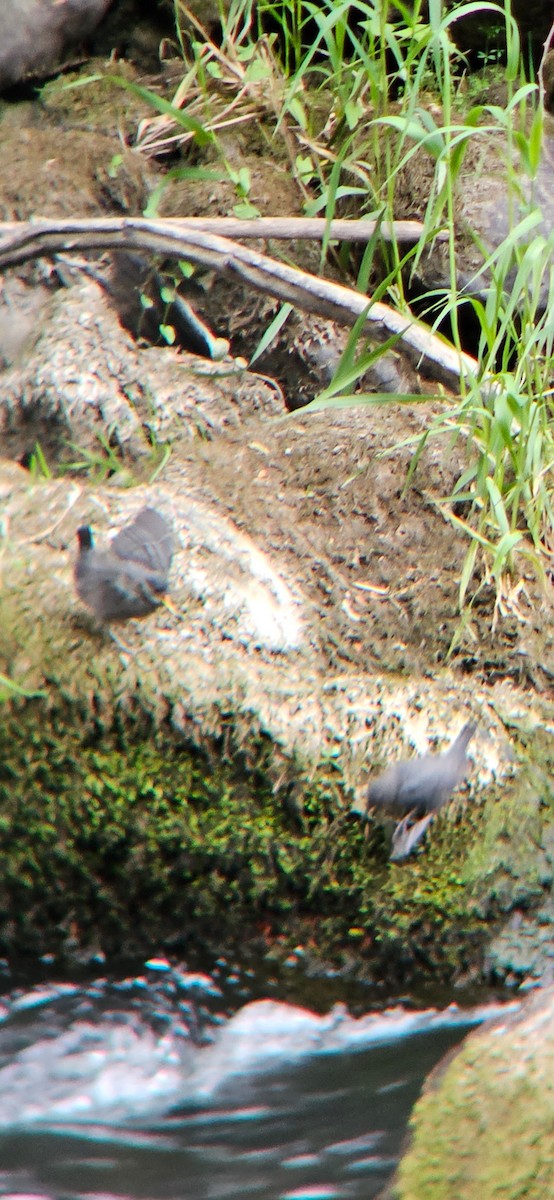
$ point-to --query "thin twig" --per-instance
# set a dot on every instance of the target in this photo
(540, 73)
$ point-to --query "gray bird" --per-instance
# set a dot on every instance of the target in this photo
(129, 579)
(422, 785)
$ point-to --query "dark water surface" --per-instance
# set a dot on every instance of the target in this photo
(153, 1087)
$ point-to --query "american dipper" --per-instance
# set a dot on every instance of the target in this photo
(130, 578)
(422, 785)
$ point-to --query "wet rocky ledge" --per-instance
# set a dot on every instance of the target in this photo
(199, 775)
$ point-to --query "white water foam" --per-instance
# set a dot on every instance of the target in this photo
(118, 1070)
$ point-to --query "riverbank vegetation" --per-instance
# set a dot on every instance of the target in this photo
(359, 98)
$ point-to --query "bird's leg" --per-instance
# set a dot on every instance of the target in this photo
(402, 828)
(122, 645)
(404, 823)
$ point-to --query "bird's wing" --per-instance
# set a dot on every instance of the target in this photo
(129, 591)
(418, 781)
(134, 577)
(148, 541)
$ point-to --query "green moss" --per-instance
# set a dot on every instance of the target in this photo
(485, 1128)
(117, 830)
(126, 830)
(506, 867)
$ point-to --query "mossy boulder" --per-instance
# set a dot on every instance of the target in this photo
(484, 1125)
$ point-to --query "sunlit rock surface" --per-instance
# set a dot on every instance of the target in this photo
(35, 34)
(221, 747)
(78, 380)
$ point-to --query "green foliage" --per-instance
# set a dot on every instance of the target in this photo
(104, 461)
(507, 414)
(38, 465)
(372, 66)
(9, 688)
(354, 94)
(99, 464)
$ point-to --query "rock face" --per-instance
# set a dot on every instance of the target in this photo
(79, 377)
(208, 760)
(35, 35)
(267, 661)
(492, 198)
(484, 1124)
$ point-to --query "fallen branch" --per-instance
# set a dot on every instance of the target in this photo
(173, 238)
(407, 233)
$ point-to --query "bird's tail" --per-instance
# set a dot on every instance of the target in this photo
(464, 737)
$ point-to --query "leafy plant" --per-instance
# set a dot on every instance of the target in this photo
(356, 91)
(38, 466)
(505, 414)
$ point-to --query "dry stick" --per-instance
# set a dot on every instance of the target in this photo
(540, 73)
(177, 239)
(314, 228)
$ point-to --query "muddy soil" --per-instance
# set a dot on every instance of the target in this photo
(375, 558)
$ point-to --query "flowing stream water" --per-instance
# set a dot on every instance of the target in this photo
(162, 1085)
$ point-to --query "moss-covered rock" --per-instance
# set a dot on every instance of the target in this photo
(484, 1124)
(195, 777)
